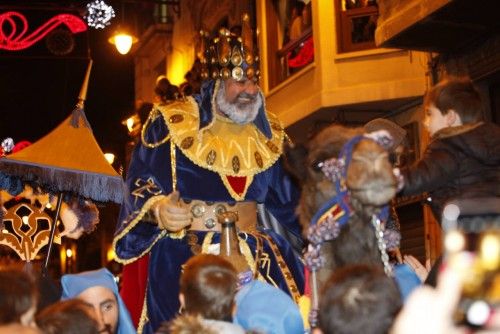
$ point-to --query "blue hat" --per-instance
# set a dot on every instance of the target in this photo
(263, 307)
(75, 284)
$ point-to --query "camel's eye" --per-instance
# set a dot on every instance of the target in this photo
(316, 165)
(393, 158)
(396, 159)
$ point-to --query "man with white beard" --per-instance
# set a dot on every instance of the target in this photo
(200, 156)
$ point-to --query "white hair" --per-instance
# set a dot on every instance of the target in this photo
(238, 112)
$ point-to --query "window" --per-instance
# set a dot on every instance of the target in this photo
(356, 23)
(290, 42)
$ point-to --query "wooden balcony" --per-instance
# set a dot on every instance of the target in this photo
(352, 86)
(436, 25)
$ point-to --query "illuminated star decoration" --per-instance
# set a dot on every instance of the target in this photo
(99, 14)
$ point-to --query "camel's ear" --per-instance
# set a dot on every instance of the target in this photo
(295, 160)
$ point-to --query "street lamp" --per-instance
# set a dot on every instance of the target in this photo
(122, 40)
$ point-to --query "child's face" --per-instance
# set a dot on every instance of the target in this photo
(434, 120)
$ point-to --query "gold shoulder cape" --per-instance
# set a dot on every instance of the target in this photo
(229, 149)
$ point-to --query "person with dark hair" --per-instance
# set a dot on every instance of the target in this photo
(72, 316)
(18, 297)
(296, 21)
(200, 156)
(193, 80)
(207, 289)
(165, 91)
(463, 157)
(98, 289)
(358, 299)
(186, 89)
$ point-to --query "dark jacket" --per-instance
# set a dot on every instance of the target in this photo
(460, 162)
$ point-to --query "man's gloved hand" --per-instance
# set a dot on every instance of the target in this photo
(170, 214)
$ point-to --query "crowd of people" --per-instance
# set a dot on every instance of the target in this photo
(220, 150)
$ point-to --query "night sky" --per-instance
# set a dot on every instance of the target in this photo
(38, 89)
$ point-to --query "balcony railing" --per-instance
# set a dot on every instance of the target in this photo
(292, 57)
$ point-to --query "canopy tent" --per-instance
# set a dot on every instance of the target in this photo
(68, 159)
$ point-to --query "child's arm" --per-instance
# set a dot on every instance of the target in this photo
(435, 169)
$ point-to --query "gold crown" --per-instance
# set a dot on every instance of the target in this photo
(230, 56)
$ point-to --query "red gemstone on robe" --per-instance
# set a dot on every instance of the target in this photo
(237, 183)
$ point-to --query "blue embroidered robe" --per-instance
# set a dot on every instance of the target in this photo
(150, 175)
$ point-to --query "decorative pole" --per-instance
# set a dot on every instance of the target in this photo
(52, 233)
(77, 112)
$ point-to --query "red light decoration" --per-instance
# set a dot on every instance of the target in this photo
(11, 40)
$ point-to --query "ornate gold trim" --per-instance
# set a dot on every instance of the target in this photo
(244, 247)
(207, 241)
(145, 208)
(152, 115)
(265, 265)
(144, 312)
(173, 166)
(259, 250)
(285, 271)
(247, 253)
(177, 235)
(304, 309)
(288, 139)
(227, 140)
